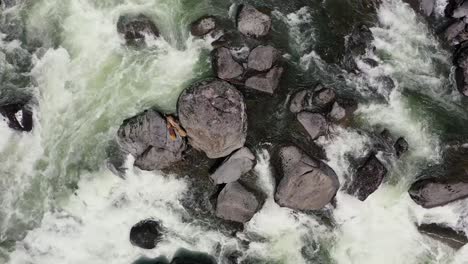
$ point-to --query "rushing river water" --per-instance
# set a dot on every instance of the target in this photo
(61, 204)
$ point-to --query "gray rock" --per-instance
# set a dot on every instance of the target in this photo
(461, 75)
(19, 116)
(239, 163)
(135, 28)
(146, 234)
(236, 203)
(425, 7)
(368, 178)
(461, 11)
(147, 137)
(213, 113)
(225, 66)
(252, 22)
(446, 235)
(267, 82)
(433, 192)
(401, 146)
(306, 183)
(263, 58)
(337, 113)
(315, 124)
(319, 100)
(203, 26)
(454, 30)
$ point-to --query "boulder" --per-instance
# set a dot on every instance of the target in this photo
(315, 124)
(425, 7)
(236, 203)
(263, 58)
(151, 140)
(433, 192)
(225, 66)
(461, 77)
(266, 82)
(446, 235)
(184, 256)
(319, 100)
(451, 6)
(135, 28)
(214, 115)
(252, 22)
(19, 117)
(455, 29)
(337, 113)
(461, 11)
(146, 234)
(203, 26)
(305, 183)
(368, 178)
(239, 163)
(401, 146)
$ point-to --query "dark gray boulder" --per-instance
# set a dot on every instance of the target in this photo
(213, 113)
(368, 178)
(401, 146)
(184, 256)
(225, 66)
(461, 77)
(252, 22)
(146, 234)
(203, 26)
(266, 82)
(319, 100)
(236, 203)
(433, 192)
(135, 28)
(263, 58)
(446, 235)
(149, 139)
(239, 163)
(315, 124)
(18, 116)
(305, 183)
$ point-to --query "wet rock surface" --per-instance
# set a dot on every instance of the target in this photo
(239, 163)
(263, 58)
(444, 234)
(268, 82)
(367, 178)
(18, 117)
(213, 113)
(225, 66)
(318, 100)
(305, 183)
(236, 203)
(252, 22)
(315, 124)
(433, 192)
(146, 234)
(153, 143)
(203, 26)
(135, 28)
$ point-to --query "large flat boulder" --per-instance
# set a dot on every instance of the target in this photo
(236, 203)
(305, 183)
(444, 234)
(153, 143)
(433, 192)
(213, 113)
(225, 66)
(266, 82)
(239, 163)
(263, 58)
(315, 124)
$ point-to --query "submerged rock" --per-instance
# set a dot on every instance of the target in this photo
(368, 178)
(214, 115)
(135, 28)
(357, 44)
(184, 256)
(337, 113)
(225, 66)
(267, 82)
(153, 143)
(433, 192)
(315, 124)
(239, 163)
(263, 58)
(146, 234)
(401, 146)
(446, 235)
(236, 203)
(203, 26)
(305, 183)
(252, 22)
(19, 117)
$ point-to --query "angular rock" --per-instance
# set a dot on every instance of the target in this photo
(425, 7)
(151, 141)
(368, 178)
(315, 124)
(337, 113)
(203, 26)
(454, 30)
(135, 28)
(236, 203)
(146, 234)
(446, 235)
(213, 113)
(263, 58)
(401, 147)
(324, 98)
(268, 82)
(225, 66)
(451, 6)
(305, 183)
(433, 192)
(461, 11)
(19, 117)
(319, 100)
(252, 22)
(239, 163)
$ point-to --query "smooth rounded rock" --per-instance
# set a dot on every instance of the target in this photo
(434, 192)
(146, 234)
